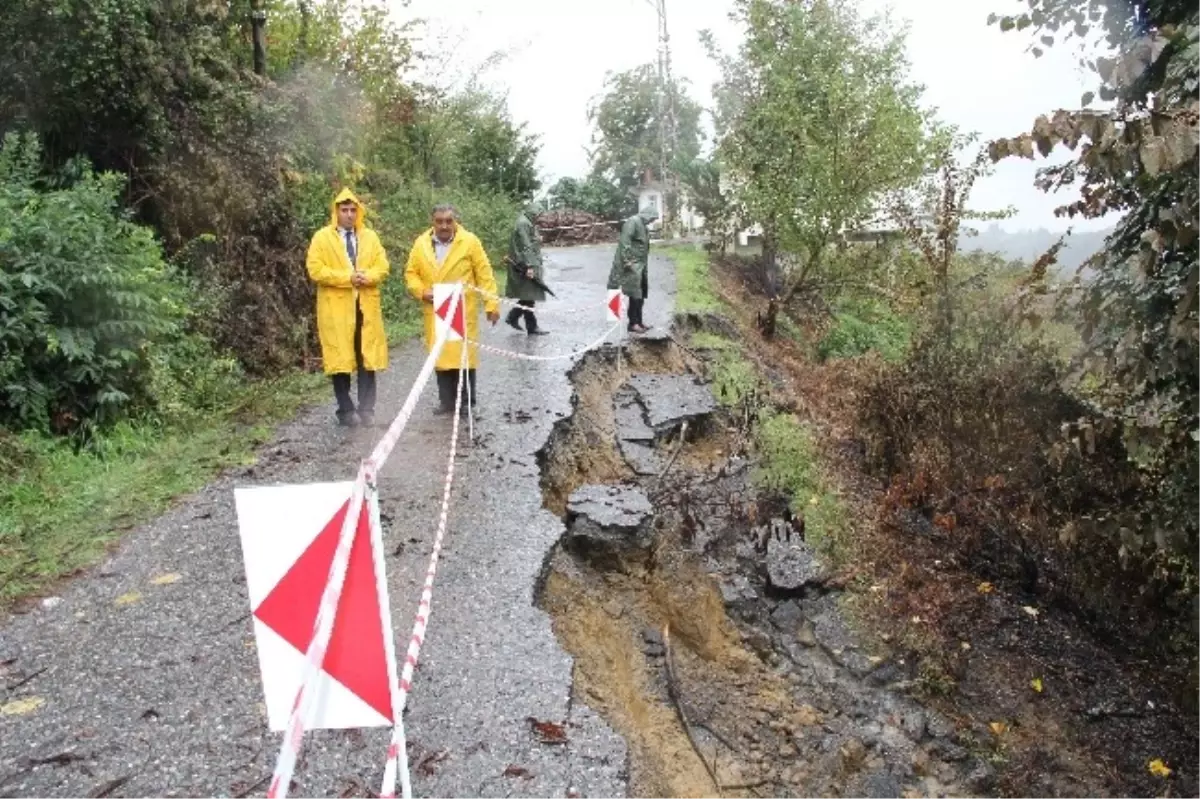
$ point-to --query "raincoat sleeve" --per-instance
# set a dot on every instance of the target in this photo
(483, 278)
(522, 247)
(412, 275)
(379, 268)
(322, 271)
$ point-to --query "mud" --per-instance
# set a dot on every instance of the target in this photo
(768, 692)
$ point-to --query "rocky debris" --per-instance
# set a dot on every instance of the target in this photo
(607, 521)
(791, 564)
(670, 400)
(707, 321)
(569, 226)
(644, 459)
(649, 407)
(630, 416)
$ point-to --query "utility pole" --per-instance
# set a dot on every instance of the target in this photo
(667, 133)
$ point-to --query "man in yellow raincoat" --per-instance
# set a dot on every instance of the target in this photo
(348, 264)
(449, 253)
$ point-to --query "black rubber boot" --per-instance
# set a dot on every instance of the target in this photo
(514, 318)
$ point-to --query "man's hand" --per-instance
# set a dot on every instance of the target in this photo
(358, 279)
(493, 317)
(529, 273)
(427, 296)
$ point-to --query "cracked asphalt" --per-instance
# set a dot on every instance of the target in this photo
(153, 689)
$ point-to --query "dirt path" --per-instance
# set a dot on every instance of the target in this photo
(128, 684)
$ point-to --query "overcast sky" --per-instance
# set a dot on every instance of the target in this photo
(559, 51)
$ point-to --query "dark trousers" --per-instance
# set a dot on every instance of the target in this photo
(447, 382)
(636, 305)
(635, 312)
(515, 315)
(366, 378)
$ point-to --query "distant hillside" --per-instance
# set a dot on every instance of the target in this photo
(1028, 245)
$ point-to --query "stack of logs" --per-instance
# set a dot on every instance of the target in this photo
(568, 226)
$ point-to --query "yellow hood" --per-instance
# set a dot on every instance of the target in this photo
(342, 197)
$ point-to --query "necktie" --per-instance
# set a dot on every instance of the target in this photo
(350, 249)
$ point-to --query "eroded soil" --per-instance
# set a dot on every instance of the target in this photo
(1103, 714)
(721, 682)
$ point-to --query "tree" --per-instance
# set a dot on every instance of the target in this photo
(931, 215)
(1138, 317)
(629, 138)
(702, 184)
(594, 194)
(815, 118)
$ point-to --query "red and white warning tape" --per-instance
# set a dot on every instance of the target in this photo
(542, 309)
(289, 751)
(520, 356)
(315, 656)
(398, 749)
(364, 490)
(585, 224)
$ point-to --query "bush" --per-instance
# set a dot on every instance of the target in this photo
(971, 433)
(862, 327)
(84, 296)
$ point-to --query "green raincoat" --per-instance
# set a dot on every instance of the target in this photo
(631, 262)
(524, 252)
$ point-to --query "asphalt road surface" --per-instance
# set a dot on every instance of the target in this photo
(159, 694)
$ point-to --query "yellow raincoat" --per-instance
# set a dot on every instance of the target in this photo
(329, 267)
(467, 262)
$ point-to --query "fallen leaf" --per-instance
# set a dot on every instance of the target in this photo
(966, 645)
(813, 501)
(998, 727)
(1036, 684)
(428, 764)
(1031, 611)
(874, 659)
(128, 599)
(986, 588)
(167, 579)
(19, 707)
(1159, 768)
(916, 619)
(547, 731)
(517, 771)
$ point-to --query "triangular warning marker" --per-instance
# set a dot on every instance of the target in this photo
(443, 297)
(289, 534)
(613, 311)
(355, 657)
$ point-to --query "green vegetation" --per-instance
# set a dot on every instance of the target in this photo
(865, 326)
(693, 288)
(60, 507)
(158, 199)
(790, 465)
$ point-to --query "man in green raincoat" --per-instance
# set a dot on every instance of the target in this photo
(630, 269)
(526, 276)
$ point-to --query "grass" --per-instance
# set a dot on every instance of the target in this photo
(60, 509)
(693, 286)
(864, 326)
(790, 465)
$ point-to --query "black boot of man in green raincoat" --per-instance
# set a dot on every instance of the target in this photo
(525, 273)
(631, 265)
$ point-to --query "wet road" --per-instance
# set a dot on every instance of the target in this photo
(159, 693)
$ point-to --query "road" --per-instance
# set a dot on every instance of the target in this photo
(154, 690)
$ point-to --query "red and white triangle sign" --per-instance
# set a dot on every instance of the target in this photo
(289, 534)
(443, 296)
(613, 308)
